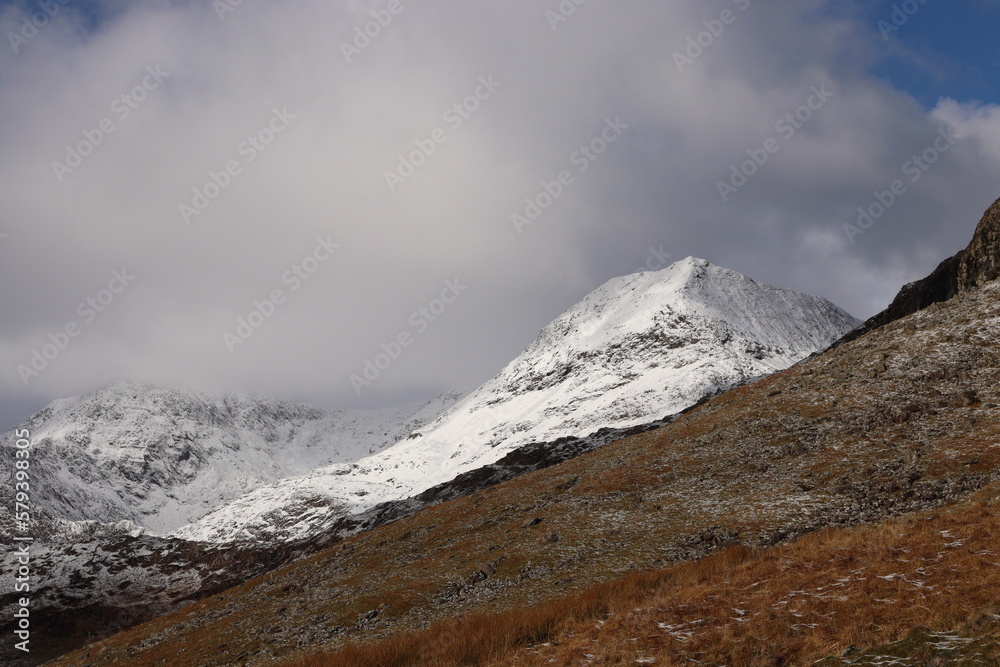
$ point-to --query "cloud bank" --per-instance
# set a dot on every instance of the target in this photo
(312, 180)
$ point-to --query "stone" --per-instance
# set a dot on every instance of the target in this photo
(968, 399)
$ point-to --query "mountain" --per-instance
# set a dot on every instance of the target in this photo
(157, 458)
(898, 420)
(981, 259)
(905, 419)
(90, 580)
(636, 350)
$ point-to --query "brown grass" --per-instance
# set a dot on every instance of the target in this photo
(792, 604)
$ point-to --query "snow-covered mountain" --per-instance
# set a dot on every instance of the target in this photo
(637, 349)
(162, 458)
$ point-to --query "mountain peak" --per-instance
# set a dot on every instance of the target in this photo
(690, 262)
(686, 265)
(680, 280)
(638, 349)
(693, 268)
(690, 271)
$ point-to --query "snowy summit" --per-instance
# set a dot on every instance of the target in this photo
(637, 349)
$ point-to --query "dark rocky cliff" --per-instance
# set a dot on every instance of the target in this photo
(981, 260)
(977, 265)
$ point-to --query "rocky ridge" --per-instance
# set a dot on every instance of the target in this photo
(981, 260)
(158, 458)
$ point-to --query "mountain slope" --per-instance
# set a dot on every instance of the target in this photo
(828, 593)
(637, 349)
(161, 458)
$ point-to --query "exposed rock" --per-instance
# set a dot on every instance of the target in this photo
(940, 286)
(716, 537)
(977, 265)
(981, 261)
(969, 398)
(568, 484)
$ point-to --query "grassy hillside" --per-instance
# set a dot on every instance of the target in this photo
(917, 589)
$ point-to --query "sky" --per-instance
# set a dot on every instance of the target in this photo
(260, 197)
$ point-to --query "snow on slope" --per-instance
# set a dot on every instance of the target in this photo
(163, 458)
(638, 349)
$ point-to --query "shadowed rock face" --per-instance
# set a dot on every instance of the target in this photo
(940, 286)
(976, 265)
(981, 261)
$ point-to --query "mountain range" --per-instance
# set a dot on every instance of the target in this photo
(135, 473)
(156, 458)
(840, 510)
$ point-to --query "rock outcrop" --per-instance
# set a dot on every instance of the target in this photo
(981, 260)
(973, 267)
(940, 286)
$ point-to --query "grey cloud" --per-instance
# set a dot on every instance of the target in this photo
(325, 175)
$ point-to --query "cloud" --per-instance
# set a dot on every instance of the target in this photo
(974, 120)
(323, 176)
